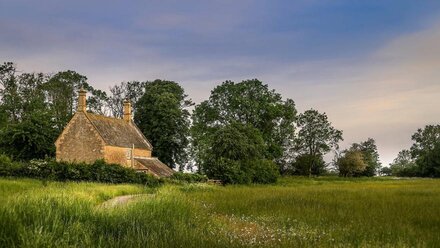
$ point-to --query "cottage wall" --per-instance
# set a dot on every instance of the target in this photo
(122, 155)
(116, 155)
(79, 142)
(142, 153)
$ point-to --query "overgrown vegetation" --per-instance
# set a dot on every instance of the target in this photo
(35, 107)
(189, 177)
(423, 159)
(99, 171)
(296, 212)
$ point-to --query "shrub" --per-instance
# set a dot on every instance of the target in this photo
(263, 171)
(238, 156)
(189, 177)
(306, 165)
(99, 171)
(7, 167)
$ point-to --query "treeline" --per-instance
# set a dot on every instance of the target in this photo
(423, 158)
(243, 133)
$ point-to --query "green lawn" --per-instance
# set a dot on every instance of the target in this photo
(297, 212)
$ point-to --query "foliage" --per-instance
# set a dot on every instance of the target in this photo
(96, 100)
(262, 171)
(426, 150)
(163, 117)
(237, 156)
(352, 163)
(99, 171)
(316, 137)
(249, 102)
(189, 177)
(30, 138)
(386, 171)
(131, 91)
(301, 166)
(404, 165)
(62, 95)
(29, 130)
(370, 156)
(35, 108)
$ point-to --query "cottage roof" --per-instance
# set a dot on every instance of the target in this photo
(153, 166)
(119, 132)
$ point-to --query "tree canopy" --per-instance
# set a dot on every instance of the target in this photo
(249, 102)
(163, 117)
(237, 155)
(316, 136)
(426, 150)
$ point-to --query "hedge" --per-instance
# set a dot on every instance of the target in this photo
(189, 177)
(99, 171)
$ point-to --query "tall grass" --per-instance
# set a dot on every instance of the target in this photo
(296, 212)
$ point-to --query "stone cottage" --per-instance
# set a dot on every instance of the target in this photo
(88, 137)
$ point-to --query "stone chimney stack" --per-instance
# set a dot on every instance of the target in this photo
(127, 110)
(82, 100)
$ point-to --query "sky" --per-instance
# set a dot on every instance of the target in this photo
(372, 66)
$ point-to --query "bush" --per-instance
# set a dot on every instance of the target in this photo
(307, 165)
(238, 156)
(264, 171)
(99, 171)
(189, 177)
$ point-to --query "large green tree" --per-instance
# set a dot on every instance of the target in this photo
(426, 150)
(237, 155)
(62, 95)
(351, 163)
(28, 130)
(249, 102)
(370, 154)
(316, 136)
(163, 117)
(404, 164)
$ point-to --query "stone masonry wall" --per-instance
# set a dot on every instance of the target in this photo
(79, 142)
(121, 155)
(117, 155)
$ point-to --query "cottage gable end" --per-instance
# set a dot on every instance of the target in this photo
(80, 141)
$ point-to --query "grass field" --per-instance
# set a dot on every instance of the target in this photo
(296, 212)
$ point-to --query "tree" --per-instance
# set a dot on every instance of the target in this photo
(351, 163)
(31, 138)
(97, 100)
(62, 95)
(28, 129)
(404, 164)
(126, 90)
(301, 166)
(386, 171)
(316, 136)
(426, 150)
(237, 155)
(163, 117)
(249, 102)
(370, 155)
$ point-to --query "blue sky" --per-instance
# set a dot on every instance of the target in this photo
(372, 66)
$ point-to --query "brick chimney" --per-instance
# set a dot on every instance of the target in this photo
(127, 110)
(82, 100)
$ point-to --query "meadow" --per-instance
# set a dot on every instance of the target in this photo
(295, 212)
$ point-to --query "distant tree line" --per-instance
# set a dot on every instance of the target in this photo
(243, 133)
(423, 158)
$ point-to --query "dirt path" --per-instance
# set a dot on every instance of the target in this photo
(124, 199)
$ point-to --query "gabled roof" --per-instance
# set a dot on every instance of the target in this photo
(153, 166)
(118, 132)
